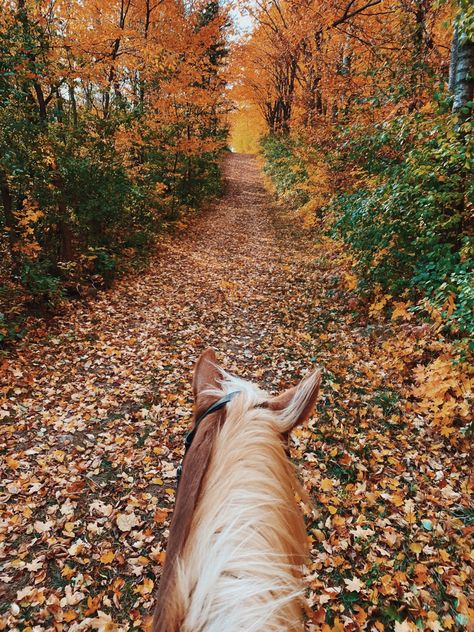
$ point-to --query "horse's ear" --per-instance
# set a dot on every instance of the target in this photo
(206, 372)
(297, 403)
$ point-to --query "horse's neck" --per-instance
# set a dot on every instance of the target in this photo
(238, 569)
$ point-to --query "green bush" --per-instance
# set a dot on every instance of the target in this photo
(406, 214)
(104, 265)
(410, 231)
(41, 284)
(286, 170)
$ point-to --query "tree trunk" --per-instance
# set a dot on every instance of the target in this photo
(461, 84)
(66, 253)
(453, 60)
(10, 221)
(462, 74)
(418, 56)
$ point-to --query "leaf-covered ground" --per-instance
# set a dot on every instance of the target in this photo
(94, 407)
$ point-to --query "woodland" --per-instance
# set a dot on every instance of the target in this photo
(290, 182)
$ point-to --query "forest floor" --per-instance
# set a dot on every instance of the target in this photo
(95, 404)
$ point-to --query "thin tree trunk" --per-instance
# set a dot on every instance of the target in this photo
(23, 19)
(10, 221)
(453, 61)
(66, 252)
(72, 98)
(145, 35)
(463, 88)
(112, 78)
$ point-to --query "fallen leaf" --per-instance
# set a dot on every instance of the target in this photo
(127, 521)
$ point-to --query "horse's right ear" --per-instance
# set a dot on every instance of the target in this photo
(206, 372)
(296, 404)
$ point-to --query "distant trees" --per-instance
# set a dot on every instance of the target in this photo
(315, 61)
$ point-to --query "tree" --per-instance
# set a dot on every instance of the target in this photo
(112, 118)
(461, 73)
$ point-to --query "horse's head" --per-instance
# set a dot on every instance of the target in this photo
(237, 485)
(292, 407)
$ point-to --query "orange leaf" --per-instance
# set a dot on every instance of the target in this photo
(319, 616)
(161, 515)
(69, 615)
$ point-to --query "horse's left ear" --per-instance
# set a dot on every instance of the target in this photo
(206, 372)
(296, 404)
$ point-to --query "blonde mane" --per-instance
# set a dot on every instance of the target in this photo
(240, 566)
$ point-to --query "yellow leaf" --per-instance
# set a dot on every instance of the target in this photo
(378, 305)
(67, 572)
(448, 622)
(319, 535)
(416, 547)
(444, 555)
(400, 311)
(326, 484)
(107, 557)
(146, 588)
(338, 626)
(350, 281)
(59, 455)
(397, 500)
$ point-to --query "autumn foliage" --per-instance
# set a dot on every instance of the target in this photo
(368, 141)
(95, 405)
(113, 118)
(111, 123)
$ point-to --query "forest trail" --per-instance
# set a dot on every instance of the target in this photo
(94, 430)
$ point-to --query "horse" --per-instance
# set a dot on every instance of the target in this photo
(237, 539)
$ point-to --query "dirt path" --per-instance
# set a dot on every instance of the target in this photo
(94, 424)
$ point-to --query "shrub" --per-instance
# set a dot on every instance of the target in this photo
(402, 195)
(410, 228)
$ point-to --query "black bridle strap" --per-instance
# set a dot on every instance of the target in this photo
(189, 436)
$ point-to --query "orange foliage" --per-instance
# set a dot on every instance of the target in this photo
(246, 127)
(310, 65)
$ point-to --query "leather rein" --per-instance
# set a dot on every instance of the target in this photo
(189, 436)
